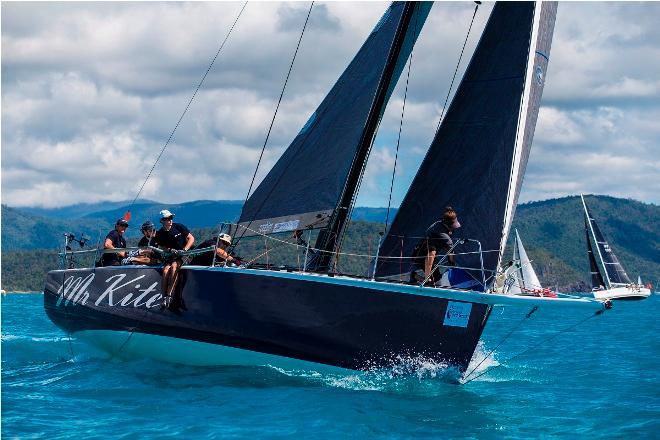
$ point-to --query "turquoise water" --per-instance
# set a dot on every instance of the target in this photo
(600, 380)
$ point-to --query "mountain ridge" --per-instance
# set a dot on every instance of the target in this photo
(552, 231)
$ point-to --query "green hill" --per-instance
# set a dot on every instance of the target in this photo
(551, 230)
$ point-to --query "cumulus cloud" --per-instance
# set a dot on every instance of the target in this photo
(92, 91)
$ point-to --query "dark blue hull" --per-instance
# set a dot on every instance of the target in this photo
(346, 323)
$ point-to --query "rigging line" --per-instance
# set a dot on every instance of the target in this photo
(349, 217)
(527, 316)
(169, 139)
(531, 347)
(398, 141)
(247, 196)
(457, 65)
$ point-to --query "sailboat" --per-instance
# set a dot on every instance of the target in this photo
(609, 279)
(315, 316)
(523, 279)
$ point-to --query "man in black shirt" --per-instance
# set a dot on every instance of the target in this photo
(172, 237)
(144, 256)
(148, 230)
(115, 240)
(437, 241)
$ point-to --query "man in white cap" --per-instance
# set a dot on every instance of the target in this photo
(173, 238)
(222, 256)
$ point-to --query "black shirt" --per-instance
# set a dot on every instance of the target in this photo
(175, 238)
(437, 239)
(205, 259)
(144, 242)
(118, 242)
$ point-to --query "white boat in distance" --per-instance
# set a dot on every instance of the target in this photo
(522, 279)
(609, 280)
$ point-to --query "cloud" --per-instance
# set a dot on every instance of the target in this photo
(603, 150)
(92, 91)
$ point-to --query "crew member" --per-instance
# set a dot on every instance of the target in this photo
(437, 240)
(115, 240)
(173, 238)
(144, 256)
(222, 255)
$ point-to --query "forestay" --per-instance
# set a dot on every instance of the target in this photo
(304, 187)
(478, 157)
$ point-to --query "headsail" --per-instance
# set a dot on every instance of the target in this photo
(478, 157)
(614, 272)
(306, 184)
(596, 277)
(527, 275)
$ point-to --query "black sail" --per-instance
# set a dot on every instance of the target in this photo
(614, 271)
(596, 276)
(305, 186)
(478, 157)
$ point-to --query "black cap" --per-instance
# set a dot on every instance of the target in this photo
(147, 225)
(121, 222)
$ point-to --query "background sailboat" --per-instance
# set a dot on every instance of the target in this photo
(609, 279)
(524, 279)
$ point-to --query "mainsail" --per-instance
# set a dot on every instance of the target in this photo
(614, 272)
(477, 159)
(321, 168)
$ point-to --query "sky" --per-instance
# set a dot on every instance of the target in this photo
(92, 91)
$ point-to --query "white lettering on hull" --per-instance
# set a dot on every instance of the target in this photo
(76, 290)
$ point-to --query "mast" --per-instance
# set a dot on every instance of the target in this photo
(593, 235)
(313, 183)
(330, 238)
(516, 253)
(524, 122)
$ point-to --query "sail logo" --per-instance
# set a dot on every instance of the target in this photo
(117, 293)
(607, 248)
(286, 226)
(457, 314)
(539, 75)
(266, 228)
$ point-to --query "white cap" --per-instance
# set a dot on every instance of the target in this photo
(166, 214)
(225, 238)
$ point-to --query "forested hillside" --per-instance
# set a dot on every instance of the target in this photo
(552, 232)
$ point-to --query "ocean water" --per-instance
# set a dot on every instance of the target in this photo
(599, 380)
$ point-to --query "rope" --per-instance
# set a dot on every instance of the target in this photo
(398, 140)
(531, 347)
(257, 233)
(247, 196)
(187, 106)
(457, 65)
(527, 316)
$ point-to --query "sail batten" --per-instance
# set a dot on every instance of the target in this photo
(311, 175)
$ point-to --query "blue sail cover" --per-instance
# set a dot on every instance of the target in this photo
(477, 159)
(615, 273)
(596, 276)
(304, 187)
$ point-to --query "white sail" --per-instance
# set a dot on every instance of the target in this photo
(528, 277)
